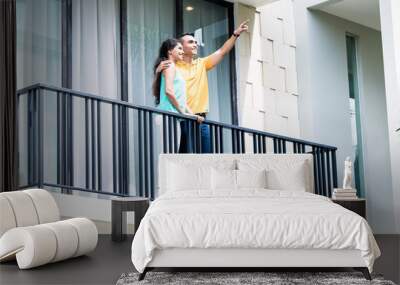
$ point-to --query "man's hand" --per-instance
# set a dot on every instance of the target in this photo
(163, 65)
(200, 119)
(217, 56)
(242, 27)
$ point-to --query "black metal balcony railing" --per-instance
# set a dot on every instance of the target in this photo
(225, 138)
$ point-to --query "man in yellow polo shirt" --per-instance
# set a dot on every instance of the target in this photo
(194, 71)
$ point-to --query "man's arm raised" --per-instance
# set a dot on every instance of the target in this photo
(217, 56)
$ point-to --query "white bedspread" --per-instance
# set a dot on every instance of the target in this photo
(250, 219)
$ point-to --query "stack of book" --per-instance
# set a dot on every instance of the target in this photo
(342, 194)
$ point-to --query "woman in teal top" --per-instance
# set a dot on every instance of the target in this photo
(169, 88)
(177, 92)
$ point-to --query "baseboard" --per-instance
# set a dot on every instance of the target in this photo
(394, 236)
(104, 227)
(97, 209)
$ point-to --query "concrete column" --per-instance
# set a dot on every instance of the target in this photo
(390, 29)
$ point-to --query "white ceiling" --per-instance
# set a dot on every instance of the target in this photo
(364, 12)
(253, 3)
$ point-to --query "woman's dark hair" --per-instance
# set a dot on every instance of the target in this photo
(165, 47)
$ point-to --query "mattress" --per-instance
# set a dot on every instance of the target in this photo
(250, 219)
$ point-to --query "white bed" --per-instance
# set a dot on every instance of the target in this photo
(218, 224)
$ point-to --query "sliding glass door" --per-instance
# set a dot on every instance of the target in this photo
(149, 23)
(210, 24)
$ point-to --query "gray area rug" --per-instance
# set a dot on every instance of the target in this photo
(233, 278)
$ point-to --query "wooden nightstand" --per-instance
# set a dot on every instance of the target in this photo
(138, 205)
(356, 205)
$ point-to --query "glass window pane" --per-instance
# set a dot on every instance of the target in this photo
(355, 116)
(209, 22)
(39, 57)
(149, 23)
(38, 42)
(95, 47)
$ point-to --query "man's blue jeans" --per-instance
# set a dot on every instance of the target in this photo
(186, 143)
(205, 138)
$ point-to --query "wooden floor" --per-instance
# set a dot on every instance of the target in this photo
(110, 260)
(103, 266)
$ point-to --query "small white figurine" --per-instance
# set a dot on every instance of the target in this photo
(348, 173)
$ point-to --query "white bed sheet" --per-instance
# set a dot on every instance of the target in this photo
(251, 218)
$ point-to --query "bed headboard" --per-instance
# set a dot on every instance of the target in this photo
(272, 160)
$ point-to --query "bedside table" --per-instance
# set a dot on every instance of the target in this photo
(139, 205)
(357, 205)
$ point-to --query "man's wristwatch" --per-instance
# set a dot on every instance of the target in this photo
(236, 35)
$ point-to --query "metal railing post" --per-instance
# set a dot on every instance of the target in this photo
(151, 154)
(334, 169)
(39, 101)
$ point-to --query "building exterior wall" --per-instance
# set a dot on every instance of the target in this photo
(324, 102)
(390, 25)
(267, 77)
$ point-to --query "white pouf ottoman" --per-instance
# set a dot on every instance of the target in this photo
(31, 232)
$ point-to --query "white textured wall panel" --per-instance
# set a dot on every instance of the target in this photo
(267, 69)
(281, 54)
(257, 71)
(286, 104)
(274, 76)
(269, 101)
(289, 34)
(291, 60)
(256, 51)
(244, 68)
(248, 98)
(271, 28)
(291, 80)
(258, 97)
(267, 53)
(244, 45)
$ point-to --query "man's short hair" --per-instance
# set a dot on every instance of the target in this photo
(185, 34)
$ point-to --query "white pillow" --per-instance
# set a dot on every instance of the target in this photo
(183, 177)
(294, 178)
(223, 179)
(251, 178)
